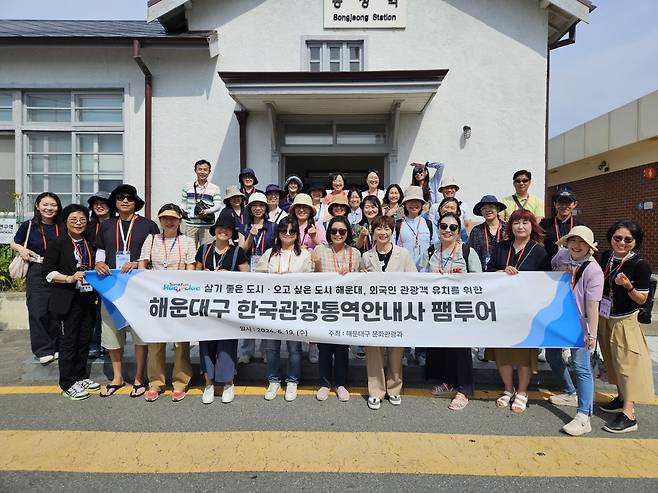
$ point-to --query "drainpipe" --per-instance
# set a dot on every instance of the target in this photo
(148, 120)
(241, 116)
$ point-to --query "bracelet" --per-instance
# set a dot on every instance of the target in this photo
(631, 290)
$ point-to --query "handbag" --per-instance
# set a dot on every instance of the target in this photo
(18, 267)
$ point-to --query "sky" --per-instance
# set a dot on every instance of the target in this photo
(614, 60)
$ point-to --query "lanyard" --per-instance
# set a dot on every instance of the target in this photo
(336, 264)
(98, 225)
(443, 264)
(276, 219)
(238, 217)
(574, 275)
(259, 241)
(215, 264)
(43, 236)
(278, 269)
(128, 237)
(518, 203)
(77, 252)
(202, 192)
(518, 258)
(486, 236)
(415, 232)
(614, 272)
(164, 249)
(557, 230)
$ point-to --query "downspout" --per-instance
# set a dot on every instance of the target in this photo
(241, 116)
(148, 120)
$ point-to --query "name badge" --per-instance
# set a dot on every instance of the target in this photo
(417, 251)
(605, 307)
(253, 262)
(486, 260)
(122, 257)
(83, 287)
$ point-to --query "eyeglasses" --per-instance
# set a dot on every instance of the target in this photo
(521, 180)
(626, 239)
(338, 231)
(123, 197)
(290, 232)
(73, 220)
(451, 227)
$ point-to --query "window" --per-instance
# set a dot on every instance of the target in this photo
(328, 133)
(74, 107)
(5, 107)
(335, 56)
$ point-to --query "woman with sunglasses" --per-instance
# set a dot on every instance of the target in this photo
(73, 301)
(31, 243)
(420, 176)
(452, 205)
(624, 347)
(337, 256)
(218, 358)
(287, 255)
(169, 250)
(522, 251)
(384, 256)
(452, 367)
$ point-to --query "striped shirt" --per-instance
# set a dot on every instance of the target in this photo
(168, 253)
(209, 193)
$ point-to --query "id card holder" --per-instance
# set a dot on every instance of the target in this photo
(605, 307)
(253, 262)
(122, 257)
(486, 260)
(83, 287)
(417, 251)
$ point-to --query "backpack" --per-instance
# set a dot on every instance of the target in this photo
(644, 316)
(398, 227)
(466, 250)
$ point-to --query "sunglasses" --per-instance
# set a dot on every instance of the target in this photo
(123, 197)
(451, 227)
(418, 171)
(626, 239)
(290, 232)
(522, 180)
(338, 231)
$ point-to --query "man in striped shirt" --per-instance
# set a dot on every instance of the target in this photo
(196, 225)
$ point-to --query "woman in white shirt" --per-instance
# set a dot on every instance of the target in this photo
(287, 255)
(373, 181)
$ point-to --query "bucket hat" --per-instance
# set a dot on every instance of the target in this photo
(317, 186)
(99, 196)
(448, 182)
(248, 171)
(582, 232)
(339, 199)
(300, 183)
(488, 199)
(232, 191)
(272, 187)
(257, 197)
(124, 189)
(302, 199)
(413, 192)
(224, 221)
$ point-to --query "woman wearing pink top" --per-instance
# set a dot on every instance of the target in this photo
(311, 233)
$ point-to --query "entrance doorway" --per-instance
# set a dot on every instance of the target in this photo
(318, 169)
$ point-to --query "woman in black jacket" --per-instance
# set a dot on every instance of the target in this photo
(72, 300)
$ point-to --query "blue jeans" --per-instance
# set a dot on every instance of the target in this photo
(582, 369)
(273, 352)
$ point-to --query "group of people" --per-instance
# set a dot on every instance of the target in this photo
(308, 228)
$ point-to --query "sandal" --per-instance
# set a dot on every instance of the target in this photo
(458, 402)
(135, 392)
(520, 403)
(111, 388)
(504, 400)
(442, 389)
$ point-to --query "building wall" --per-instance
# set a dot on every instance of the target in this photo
(612, 196)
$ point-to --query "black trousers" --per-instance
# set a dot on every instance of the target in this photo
(334, 359)
(453, 366)
(44, 330)
(76, 328)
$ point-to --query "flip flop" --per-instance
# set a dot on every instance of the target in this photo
(134, 393)
(110, 389)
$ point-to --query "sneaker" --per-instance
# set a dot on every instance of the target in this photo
(570, 400)
(291, 392)
(621, 424)
(177, 395)
(229, 394)
(360, 352)
(244, 359)
(313, 353)
(542, 356)
(89, 385)
(566, 357)
(405, 361)
(208, 396)
(44, 360)
(272, 389)
(56, 355)
(481, 355)
(421, 359)
(579, 425)
(614, 406)
(374, 403)
(343, 394)
(396, 400)
(76, 392)
(94, 353)
(151, 395)
(322, 393)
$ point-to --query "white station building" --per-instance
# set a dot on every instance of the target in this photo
(282, 86)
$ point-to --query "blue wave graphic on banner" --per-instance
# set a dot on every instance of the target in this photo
(111, 288)
(558, 325)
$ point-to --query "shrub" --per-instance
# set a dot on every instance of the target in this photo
(6, 282)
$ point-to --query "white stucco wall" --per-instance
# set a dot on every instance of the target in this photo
(495, 51)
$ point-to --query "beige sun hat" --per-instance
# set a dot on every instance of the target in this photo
(413, 192)
(338, 199)
(302, 199)
(232, 191)
(582, 232)
(448, 182)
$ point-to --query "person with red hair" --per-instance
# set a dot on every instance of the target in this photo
(522, 251)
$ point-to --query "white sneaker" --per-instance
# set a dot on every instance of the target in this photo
(566, 357)
(56, 355)
(374, 403)
(396, 400)
(208, 395)
(89, 385)
(578, 425)
(76, 392)
(313, 353)
(44, 360)
(421, 359)
(291, 392)
(244, 359)
(405, 361)
(570, 400)
(272, 389)
(542, 356)
(229, 393)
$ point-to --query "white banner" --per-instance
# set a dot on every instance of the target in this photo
(532, 309)
(365, 14)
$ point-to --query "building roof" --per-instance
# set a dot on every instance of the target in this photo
(40, 31)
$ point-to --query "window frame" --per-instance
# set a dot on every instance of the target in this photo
(324, 43)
